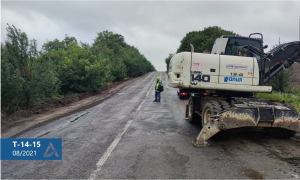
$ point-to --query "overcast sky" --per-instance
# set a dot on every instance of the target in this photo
(155, 28)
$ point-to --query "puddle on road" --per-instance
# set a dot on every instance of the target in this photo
(253, 174)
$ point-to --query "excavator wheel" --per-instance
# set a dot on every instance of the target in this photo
(225, 105)
(210, 108)
(279, 132)
(217, 105)
(192, 116)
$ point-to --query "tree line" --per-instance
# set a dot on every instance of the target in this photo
(29, 76)
(204, 40)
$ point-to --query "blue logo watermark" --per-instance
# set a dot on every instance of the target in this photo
(31, 149)
(233, 79)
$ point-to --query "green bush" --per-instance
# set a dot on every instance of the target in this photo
(114, 47)
(202, 40)
(25, 77)
(63, 67)
(282, 82)
(167, 61)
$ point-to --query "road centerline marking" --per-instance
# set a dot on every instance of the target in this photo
(109, 150)
(112, 146)
(137, 109)
(149, 89)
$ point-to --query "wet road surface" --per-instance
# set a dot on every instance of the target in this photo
(129, 136)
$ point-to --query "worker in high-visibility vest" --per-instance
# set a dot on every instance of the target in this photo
(158, 89)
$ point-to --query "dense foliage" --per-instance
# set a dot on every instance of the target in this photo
(167, 60)
(201, 40)
(283, 81)
(63, 67)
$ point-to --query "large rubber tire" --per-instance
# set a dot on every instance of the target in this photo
(210, 108)
(279, 132)
(192, 116)
(225, 105)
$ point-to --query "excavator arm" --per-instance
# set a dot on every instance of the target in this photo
(279, 58)
(274, 61)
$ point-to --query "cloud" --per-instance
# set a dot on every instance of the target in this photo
(156, 27)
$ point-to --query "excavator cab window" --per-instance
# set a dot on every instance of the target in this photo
(234, 44)
(216, 46)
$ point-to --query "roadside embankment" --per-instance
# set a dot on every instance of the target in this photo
(24, 120)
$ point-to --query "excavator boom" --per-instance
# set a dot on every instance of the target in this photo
(279, 58)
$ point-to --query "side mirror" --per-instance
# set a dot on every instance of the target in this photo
(266, 46)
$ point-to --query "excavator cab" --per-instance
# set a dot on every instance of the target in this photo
(236, 47)
(269, 64)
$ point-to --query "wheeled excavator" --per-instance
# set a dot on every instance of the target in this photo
(222, 84)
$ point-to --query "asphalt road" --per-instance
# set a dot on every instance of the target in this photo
(129, 136)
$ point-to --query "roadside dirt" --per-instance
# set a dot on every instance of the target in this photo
(32, 117)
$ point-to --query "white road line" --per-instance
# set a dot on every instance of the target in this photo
(140, 105)
(149, 91)
(108, 151)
